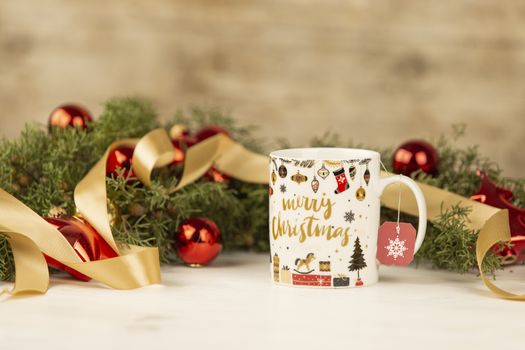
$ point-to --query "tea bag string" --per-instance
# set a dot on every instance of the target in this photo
(398, 197)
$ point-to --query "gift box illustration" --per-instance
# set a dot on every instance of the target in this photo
(286, 275)
(311, 280)
(324, 266)
(341, 281)
(276, 268)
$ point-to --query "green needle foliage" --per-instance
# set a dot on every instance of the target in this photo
(41, 168)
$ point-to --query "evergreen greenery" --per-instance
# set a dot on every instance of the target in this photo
(41, 168)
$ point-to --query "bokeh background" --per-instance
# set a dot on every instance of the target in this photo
(377, 72)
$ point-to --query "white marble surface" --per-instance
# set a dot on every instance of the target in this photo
(233, 305)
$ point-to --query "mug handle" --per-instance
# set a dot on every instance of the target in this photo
(420, 200)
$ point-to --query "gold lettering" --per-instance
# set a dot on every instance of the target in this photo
(308, 203)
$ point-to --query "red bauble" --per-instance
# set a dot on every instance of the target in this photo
(198, 241)
(413, 156)
(120, 158)
(70, 115)
(86, 242)
(209, 131)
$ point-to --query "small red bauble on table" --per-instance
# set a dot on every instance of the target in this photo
(413, 156)
(120, 158)
(198, 241)
(85, 240)
(70, 115)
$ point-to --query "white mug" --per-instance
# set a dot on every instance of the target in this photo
(324, 216)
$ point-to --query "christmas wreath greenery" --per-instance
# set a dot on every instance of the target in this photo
(42, 167)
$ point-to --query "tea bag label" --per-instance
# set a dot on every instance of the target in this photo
(395, 243)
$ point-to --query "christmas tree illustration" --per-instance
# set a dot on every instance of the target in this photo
(358, 261)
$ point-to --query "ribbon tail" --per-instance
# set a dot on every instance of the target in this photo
(135, 268)
(495, 230)
(32, 274)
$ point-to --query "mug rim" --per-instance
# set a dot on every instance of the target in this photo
(315, 153)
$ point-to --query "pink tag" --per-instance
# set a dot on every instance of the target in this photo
(393, 247)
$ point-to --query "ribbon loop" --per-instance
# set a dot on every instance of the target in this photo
(153, 150)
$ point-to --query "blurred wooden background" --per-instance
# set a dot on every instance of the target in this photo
(379, 72)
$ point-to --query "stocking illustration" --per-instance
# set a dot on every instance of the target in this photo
(342, 181)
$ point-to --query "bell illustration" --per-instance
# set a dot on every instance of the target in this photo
(323, 172)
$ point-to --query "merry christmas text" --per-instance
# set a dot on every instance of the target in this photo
(311, 225)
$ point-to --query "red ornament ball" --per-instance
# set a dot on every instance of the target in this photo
(120, 158)
(85, 240)
(70, 115)
(209, 131)
(413, 156)
(198, 241)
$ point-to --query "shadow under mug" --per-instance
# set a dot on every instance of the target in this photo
(324, 216)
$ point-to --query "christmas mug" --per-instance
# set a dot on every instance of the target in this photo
(324, 216)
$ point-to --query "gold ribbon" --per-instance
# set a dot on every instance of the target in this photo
(492, 223)
(29, 235)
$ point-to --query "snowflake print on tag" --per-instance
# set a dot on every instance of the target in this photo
(396, 247)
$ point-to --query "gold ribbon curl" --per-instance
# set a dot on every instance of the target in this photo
(30, 235)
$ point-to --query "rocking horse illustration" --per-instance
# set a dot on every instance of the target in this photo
(304, 262)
